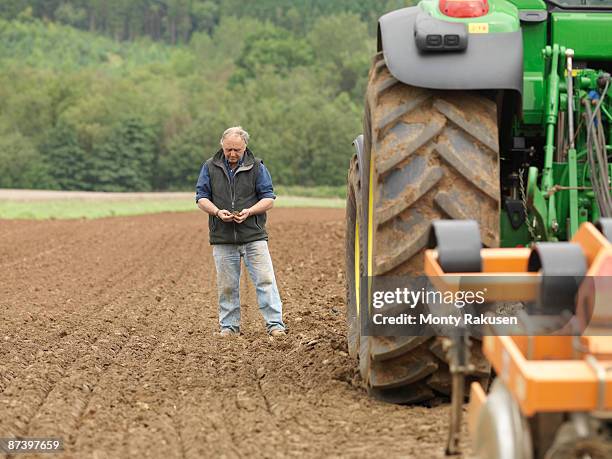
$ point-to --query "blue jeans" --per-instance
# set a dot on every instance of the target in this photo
(259, 264)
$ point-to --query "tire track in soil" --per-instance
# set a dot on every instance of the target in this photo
(54, 341)
(26, 297)
(168, 386)
(38, 392)
(123, 383)
(86, 384)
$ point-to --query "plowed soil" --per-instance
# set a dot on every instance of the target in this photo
(108, 339)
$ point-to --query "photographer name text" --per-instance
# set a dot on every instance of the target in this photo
(431, 319)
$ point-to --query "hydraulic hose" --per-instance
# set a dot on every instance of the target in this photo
(597, 155)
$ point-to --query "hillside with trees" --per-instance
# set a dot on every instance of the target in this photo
(132, 95)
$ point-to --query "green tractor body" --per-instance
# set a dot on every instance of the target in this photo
(560, 185)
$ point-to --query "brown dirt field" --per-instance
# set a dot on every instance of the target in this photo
(108, 340)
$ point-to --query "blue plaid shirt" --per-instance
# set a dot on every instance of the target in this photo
(263, 183)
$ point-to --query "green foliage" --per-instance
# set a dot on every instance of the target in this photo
(20, 163)
(185, 155)
(126, 161)
(66, 162)
(205, 15)
(339, 43)
(69, 14)
(299, 15)
(275, 48)
(121, 95)
(37, 44)
(174, 21)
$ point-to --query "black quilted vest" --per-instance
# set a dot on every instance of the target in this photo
(234, 196)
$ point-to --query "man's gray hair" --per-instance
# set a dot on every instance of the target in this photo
(235, 130)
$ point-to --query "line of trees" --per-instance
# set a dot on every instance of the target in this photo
(176, 20)
(133, 101)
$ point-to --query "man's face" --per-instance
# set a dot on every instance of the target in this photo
(233, 149)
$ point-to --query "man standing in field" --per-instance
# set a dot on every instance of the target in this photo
(235, 190)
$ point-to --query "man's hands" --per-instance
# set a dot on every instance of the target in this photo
(242, 215)
(238, 217)
(225, 215)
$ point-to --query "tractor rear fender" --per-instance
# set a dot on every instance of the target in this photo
(479, 61)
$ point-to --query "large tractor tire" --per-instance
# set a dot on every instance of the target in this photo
(426, 155)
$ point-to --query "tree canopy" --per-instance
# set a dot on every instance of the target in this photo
(123, 95)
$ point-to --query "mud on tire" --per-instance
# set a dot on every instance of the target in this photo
(435, 156)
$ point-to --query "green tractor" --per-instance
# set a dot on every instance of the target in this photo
(497, 111)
